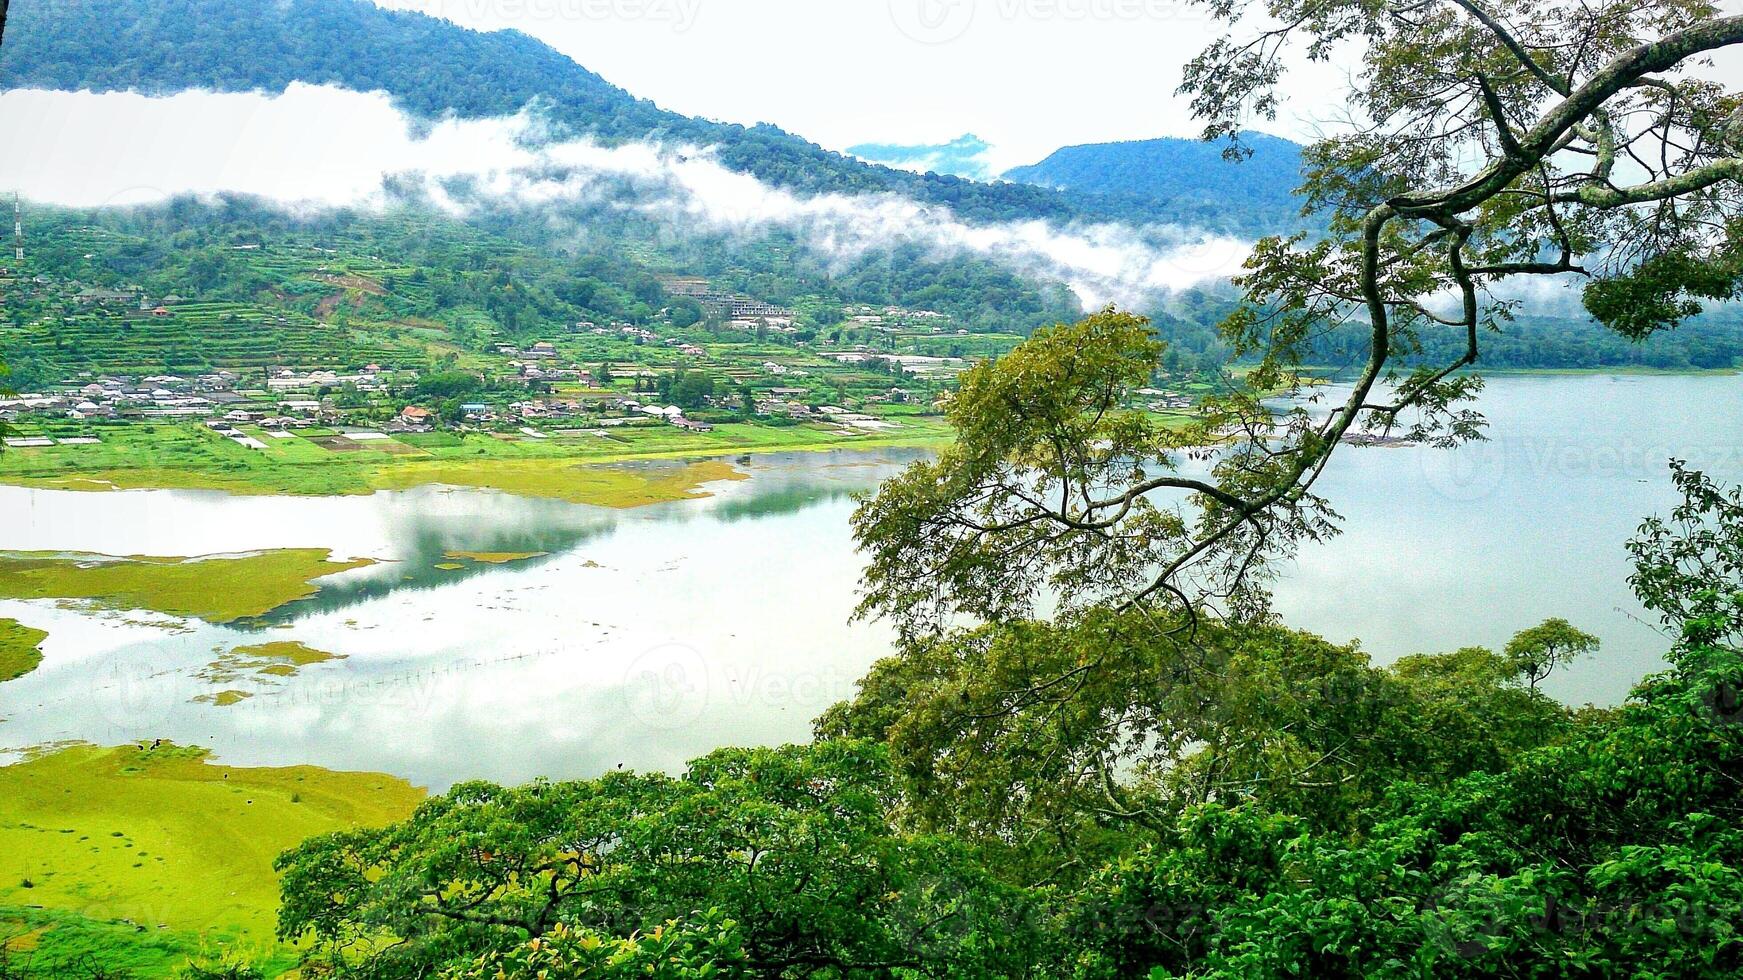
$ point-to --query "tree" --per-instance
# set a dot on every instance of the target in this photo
(1079, 738)
(1044, 488)
(1611, 850)
(6, 388)
(447, 384)
(792, 845)
(686, 389)
(1689, 568)
(685, 312)
(1536, 652)
(1487, 145)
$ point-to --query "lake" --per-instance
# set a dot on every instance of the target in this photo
(647, 637)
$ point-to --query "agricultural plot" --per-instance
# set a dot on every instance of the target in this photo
(194, 337)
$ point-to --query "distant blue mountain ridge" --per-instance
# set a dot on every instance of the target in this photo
(1181, 173)
(965, 156)
(1185, 177)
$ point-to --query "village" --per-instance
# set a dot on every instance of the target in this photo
(643, 377)
(350, 352)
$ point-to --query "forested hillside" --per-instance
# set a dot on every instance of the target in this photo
(432, 66)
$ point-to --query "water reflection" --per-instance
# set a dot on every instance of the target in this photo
(647, 637)
(642, 638)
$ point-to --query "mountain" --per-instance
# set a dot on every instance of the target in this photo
(431, 67)
(1181, 175)
(964, 156)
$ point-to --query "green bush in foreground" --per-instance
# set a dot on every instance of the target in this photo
(795, 845)
(1613, 850)
(711, 948)
(1274, 807)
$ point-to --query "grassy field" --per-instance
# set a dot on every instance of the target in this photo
(20, 649)
(218, 590)
(185, 456)
(284, 658)
(563, 479)
(494, 557)
(139, 856)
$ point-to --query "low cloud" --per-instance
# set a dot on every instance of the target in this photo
(317, 148)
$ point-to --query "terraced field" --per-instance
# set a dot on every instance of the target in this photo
(199, 336)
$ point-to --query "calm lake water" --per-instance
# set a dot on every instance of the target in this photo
(650, 636)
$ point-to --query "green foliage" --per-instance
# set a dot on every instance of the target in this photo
(689, 390)
(1112, 795)
(1538, 651)
(1689, 568)
(1661, 292)
(1615, 853)
(712, 948)
(447, 384)
(1048, 421)
(1040, 731)
(793, 844)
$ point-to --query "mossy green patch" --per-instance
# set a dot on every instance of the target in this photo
(449, 566)
(163, 840)
(218, 589)
(289, 651)
(52, 942)
(606, 486)
(223, 699)
(276, 660)
(495, 557)
(20, 649)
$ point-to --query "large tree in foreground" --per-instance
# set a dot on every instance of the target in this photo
(1486, 144)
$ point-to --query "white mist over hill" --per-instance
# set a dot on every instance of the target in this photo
(318, 148)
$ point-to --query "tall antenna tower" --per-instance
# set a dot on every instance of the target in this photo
(18, 231)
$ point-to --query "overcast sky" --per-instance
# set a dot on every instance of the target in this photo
(1028, 76)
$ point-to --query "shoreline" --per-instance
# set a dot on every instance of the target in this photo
(540, 476)
(403, 475)
(1333, 374)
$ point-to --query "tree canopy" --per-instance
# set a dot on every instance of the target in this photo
(1485, 146)
(1237, 801)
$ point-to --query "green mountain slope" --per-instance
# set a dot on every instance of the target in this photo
(432, 66)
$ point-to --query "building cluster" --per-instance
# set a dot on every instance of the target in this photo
(738, 312)
(1158, 400)
(889, 319)
(103, 398)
